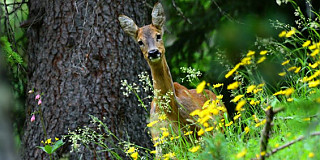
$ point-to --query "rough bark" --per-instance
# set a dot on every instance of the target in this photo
(77, 57)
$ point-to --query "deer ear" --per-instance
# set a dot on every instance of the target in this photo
(128, 26)
(158, 17)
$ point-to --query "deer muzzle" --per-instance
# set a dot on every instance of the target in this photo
(154, 55)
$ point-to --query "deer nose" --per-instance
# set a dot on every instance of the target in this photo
(154, 54)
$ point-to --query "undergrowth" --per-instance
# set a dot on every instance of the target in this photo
(294, 59)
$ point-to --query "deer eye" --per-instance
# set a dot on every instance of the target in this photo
(140, 43)
(158, 37)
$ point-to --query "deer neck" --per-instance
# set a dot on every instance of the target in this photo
(162, 80)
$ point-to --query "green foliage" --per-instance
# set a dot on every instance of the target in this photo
(50, 149)
(12, 57)
(281, 73)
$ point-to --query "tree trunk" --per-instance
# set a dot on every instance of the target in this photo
(77, 57)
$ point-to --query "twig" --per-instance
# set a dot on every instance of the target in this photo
(224, 13)
(180, 13)
(265, 135)
(13, 3)
(289, 144)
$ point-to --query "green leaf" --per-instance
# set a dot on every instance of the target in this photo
(57, 145)
(46, 148)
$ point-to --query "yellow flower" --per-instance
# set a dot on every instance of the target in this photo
(261, 123)
(200, 132)
(165, 134)
(164, 129)
(229, 124)
(291, 32)
(131, 150)
(246, 61)
(290, 99)
(311, 155)
(251, 88)
(233, 85)
(206, 124)
(236, 117)
(217, 85)
(252, 102)
(209, 129)
(204, 119)
(206, 104)
(48, 141)
(242, 153)
(316, 74)
(306, 43)
(56, 139)
(285, 62)
(261, 85)
(220, 96)
(276, 145)
(194, 149)
(240, 105)
(153, 152)
(315, 52)
(42, 142)
(314, 46)
(263, 153)
(261, 59)
(134, 155)
(288, 91)
(297, 70)
(292, 68)
(250, 53)
(176, 137)
(215, 111)
(255, 118)
(237, 98)
(155, 138)
(188, 133)
(282, 34)
(269, 107)
(314, 83)
(152, 123)
(264, 52)
(232, 70)
(282, 74)
(169, 155)
(306, 119)
(246, 130)
(201, 86)
(162, 117)
(314, 65)
(195, 112)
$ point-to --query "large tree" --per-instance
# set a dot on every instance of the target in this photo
(77, 56)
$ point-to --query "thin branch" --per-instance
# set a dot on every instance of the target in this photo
(265, 135)
(13, 3)
(289, 144)
(225, 13)
(180, 13)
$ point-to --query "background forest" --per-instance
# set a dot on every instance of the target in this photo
(261, 56)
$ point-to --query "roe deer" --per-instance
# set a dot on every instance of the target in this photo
(181, 100)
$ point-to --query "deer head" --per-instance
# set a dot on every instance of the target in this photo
(148, 37)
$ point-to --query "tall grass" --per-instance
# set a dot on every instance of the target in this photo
(294, 59)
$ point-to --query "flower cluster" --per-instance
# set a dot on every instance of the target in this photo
(247, 60)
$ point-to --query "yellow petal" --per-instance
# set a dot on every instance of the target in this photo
(201, 86)
(264, 52)
(282, 34)
(306, 43)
